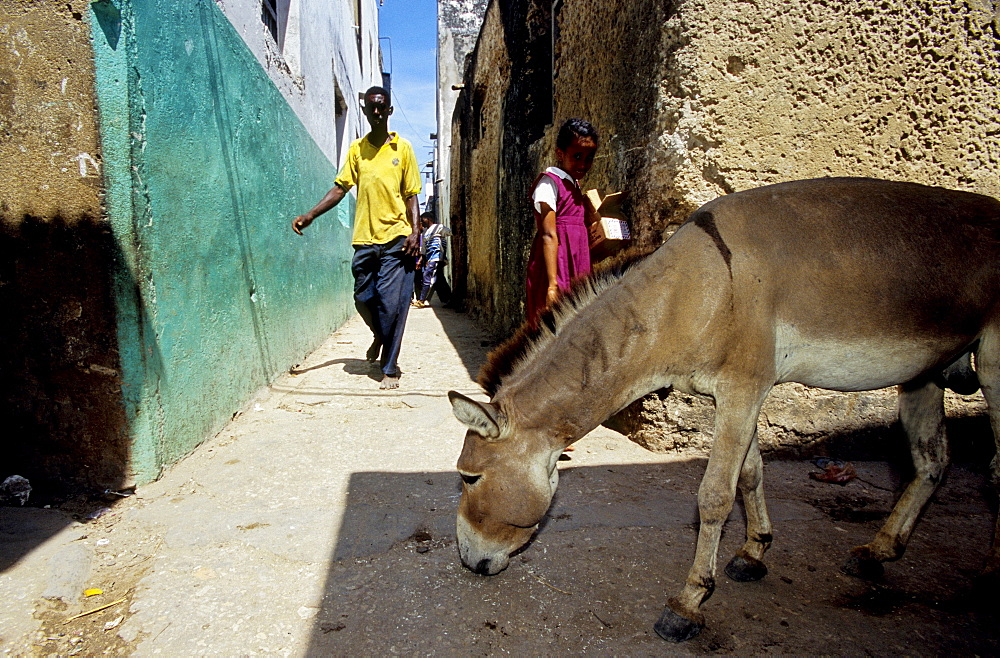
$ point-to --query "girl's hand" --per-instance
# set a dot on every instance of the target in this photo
(551, 295)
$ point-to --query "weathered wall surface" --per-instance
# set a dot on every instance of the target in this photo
(60, 393)
(799, 89)
(458, 24)
(699, 98)
(49, 142)
(476, 182)
(798, 421)
(505, 108)
(779, 91)
(149, 278)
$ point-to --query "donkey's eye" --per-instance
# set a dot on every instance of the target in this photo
(470, 479)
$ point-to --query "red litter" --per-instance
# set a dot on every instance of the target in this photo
(834, 471)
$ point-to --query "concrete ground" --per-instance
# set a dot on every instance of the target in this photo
(320, 521)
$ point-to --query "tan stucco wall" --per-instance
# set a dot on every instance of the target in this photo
(699, 98)
(749, 94)
(800, 421)
(799, 89)
(499, 124)
(490, 79)
(49, 153)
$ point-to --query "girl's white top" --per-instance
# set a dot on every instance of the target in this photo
(546, 190)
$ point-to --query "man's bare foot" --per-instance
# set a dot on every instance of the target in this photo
(372, 353)
(389, 382)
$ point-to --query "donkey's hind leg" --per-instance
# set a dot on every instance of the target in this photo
(747, 565)
(988, 367)
(921, 412)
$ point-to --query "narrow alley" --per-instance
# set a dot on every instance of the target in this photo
(195, 493)
(321, 522)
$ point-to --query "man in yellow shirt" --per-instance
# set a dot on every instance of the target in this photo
(386, 232)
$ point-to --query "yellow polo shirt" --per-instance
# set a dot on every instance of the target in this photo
(386, 176)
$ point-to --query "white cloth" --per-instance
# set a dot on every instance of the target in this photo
(431, 241)
(546, 190)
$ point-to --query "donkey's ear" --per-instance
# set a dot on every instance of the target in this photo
(485, 419)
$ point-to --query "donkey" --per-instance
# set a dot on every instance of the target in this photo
(848, 284)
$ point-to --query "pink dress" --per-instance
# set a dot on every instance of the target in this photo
(573, 257)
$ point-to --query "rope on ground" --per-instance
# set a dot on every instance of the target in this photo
(546, 584)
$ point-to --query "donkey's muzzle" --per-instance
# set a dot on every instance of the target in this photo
(482, 567)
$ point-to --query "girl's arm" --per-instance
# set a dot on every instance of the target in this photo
(550, 251)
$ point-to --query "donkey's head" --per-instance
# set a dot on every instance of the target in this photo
(508, 478)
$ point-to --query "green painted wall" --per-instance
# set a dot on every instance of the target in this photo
(205, 165)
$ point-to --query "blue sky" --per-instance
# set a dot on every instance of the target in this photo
(409, 54)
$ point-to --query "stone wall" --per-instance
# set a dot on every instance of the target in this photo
(60, 393)
(797, 421)
(805, 88)
(700, 98)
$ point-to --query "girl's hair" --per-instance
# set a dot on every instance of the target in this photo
(574, 128)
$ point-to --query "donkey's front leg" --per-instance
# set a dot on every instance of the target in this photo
(735, 426)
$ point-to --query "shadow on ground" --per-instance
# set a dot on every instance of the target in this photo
(466, 338)
(62, 408)
(351, 367)
(618, 542)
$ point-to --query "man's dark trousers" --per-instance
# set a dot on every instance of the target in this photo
(383, 285)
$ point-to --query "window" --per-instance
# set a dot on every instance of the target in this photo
(357, 32)
(269, 15)
(340, 117)
(275, 15)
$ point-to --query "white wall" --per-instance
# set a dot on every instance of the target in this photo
(318, 52)
(458, 27)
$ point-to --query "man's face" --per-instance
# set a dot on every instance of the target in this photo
(377, 110)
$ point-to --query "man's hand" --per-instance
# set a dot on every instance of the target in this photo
(300, 223)
(412, 245)
(329, 200)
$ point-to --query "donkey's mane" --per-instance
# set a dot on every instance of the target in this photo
(506, 358)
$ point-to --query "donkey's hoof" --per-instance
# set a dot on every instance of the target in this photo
(745, 569)
(865, 568)
(672, 627)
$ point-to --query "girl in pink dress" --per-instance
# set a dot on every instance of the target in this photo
(560, 252)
